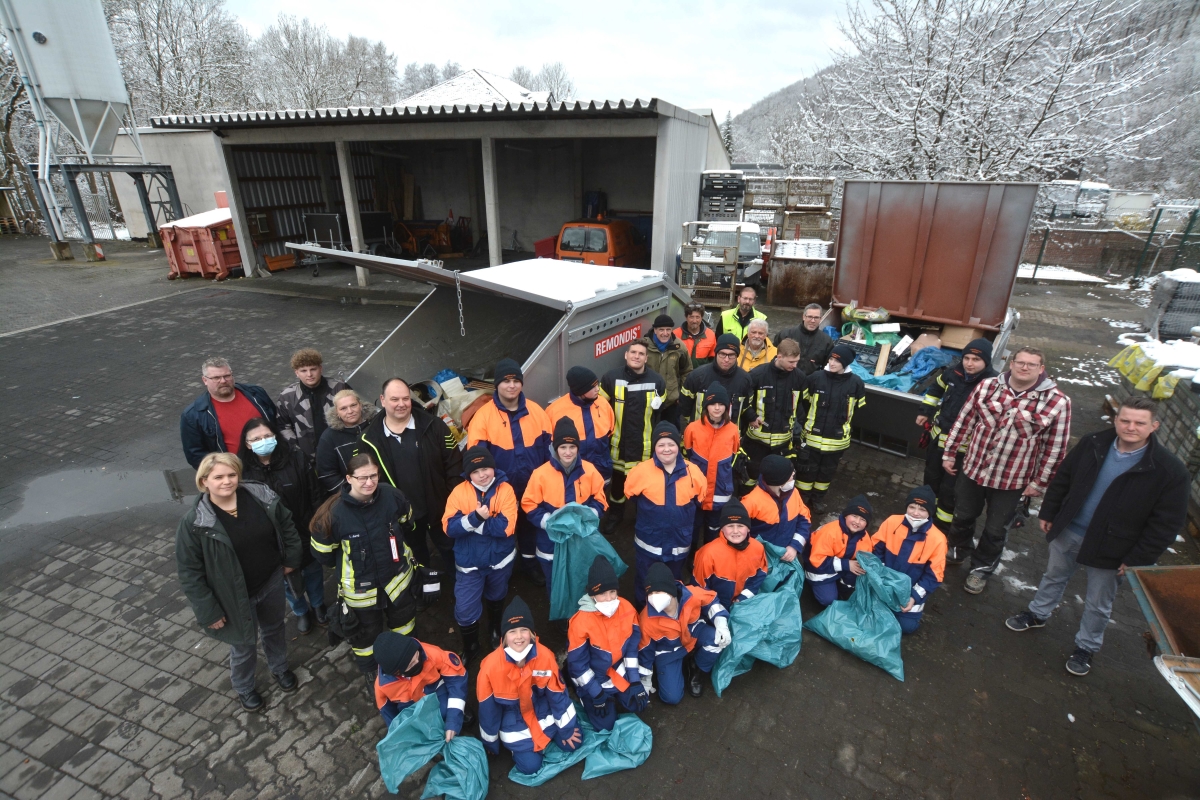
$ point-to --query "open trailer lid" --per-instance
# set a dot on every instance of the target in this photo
(937, 251)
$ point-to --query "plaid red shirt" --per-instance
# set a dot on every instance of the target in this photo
(1014, 440)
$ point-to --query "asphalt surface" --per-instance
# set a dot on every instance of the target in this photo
(107, 688)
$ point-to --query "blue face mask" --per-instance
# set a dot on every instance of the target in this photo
(263, 447)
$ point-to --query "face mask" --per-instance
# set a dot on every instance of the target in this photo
(485, 486)
(915, 523)
(416, 669)
(659, 601)
(607, 607)
(518, 655)
(742, 545)
(263, 447)
(787, 487)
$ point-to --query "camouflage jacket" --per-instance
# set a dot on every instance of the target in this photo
(296, 414)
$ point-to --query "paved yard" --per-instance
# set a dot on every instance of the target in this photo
(107, 688)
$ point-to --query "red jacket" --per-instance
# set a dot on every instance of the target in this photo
(701, 348)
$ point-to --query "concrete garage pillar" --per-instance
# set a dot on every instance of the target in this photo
(238, 209)
(350, 196)
(491, 201)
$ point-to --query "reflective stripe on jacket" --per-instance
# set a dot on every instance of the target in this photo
(730, 323)
(482, 543)
(736, 382)
(602, 652)
(733, 574)
(518, 440)
(701, 347)
(594, 421)
(832, 548)
(775, 401)
(713, 450)
(443, 672)
(523, 707)
(783, 521)
(666, 506)
(631, 396)
(832, 399)
(550, 489)
(921, 555)
(664, 637)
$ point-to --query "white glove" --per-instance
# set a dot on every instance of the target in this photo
(594, 511)
(722, 639)
(648, 683)
(656, 402)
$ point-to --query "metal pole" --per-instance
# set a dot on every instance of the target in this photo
(173, 193)
(144, 196)
(1141, 258)
(1041, 252)
(85, 227)
(1186, 231)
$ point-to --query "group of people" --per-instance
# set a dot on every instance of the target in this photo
(717, 461)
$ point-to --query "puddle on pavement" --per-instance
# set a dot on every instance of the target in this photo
(83, 492)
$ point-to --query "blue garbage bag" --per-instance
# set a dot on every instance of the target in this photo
(626, 746)
(416, 735)
(767, 627)
(574, 529)
(926, 361)
(866, 624)
(889, 380)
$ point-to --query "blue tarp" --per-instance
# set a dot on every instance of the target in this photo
(416, 735)
(926, 361)
(889, 380)
(574, 529)
(866, 624)
(767, 627)
(626, 746)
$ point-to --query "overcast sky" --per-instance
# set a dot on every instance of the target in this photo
(696, 54)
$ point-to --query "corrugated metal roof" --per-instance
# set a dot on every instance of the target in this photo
(575, 109)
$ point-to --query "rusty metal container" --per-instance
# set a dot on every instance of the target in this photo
(799, 281)
(930, 250)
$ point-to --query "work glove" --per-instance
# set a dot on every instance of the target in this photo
(648, 684)
(635, 697)
(722, 639)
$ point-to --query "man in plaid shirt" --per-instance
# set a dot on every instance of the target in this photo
(1017, 425)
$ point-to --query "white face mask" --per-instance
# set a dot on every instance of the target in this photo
(659, 601)
(607, 607)
(519, 655)
(915, 523)
(787, 487)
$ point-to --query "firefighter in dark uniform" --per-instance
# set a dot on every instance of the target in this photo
(723, 369)
(775, 397)
(635, 393)
(832, 396)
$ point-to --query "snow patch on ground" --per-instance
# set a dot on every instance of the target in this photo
(1018, 584)
(1053, 273)
(1122, 323)
(1087, 372)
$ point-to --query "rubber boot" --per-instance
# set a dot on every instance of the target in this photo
(494, 612)
(612, 519)
(470, 637)
(694, 677)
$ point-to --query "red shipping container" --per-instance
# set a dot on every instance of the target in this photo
(544, 248)
(203, 244)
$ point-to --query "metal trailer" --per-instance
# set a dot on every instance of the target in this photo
(934, 252)
(546, 314)
(1170, 600)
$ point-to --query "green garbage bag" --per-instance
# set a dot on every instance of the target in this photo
(626, 746)
(767, 627)
(866, 624)
(574, 529)
(416, 735)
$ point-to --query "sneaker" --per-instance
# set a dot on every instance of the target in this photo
(955, 555)
(1080, 662)
(251, 701)
(976, 583)
(286, 680)
(1024, 621)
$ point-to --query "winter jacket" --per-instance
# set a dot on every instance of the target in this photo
(748, 361)
(919, 554)
(356, 538)
(732, 323)
(832, 398)
(296, 414)
(666, 506)
(783, 521)
(815, 347)
(1013, 441)
(551, 487)
(736, 382)
(714, 451)
(518, 440)
(946, 397)
(672, 639)
(210, 573)
(200, 430)
(442, 673)
(594, 421)
(482, 543)
(701, 347)
(441, 460)
(733, 574)
(339, 443)
(631, 396)
(602, 652)
(833, 547)
(523, 707)
(1140, 513)
(673, 364)
(290, 477)
(775, 400)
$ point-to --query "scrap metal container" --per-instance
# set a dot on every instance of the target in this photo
(203, 244)
(546, 314)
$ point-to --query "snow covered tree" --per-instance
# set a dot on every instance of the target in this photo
(522, 76)
(552, 78)
(979, 90)
(727, 133)
(18, 138)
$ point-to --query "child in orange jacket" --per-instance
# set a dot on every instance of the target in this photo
(910, 543)
(712, 443)
(409, 670)
(832, 569)
(735, 565)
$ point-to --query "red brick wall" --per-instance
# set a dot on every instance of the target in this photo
(1088, 250)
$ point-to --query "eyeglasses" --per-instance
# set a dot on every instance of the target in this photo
(815, 317)
(1026, 364)
(256, 439)
(366, 478)
(219, 378)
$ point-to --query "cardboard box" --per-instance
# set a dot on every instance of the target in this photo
(957, 337)
(925, 340)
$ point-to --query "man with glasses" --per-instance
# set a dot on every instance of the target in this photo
(1015, 427)
(213, 422)
(815, 344)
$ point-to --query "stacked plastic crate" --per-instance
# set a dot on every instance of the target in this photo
(806, 209)
(766, 199)
(721, 194)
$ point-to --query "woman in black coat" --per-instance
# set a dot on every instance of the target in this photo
(269, 458)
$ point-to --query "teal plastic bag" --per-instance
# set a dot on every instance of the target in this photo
(866, 624)
(575, 531)
(767, 627)
(626, 746)
(418, 734)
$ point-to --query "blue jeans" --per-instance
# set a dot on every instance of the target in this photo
(266, 611)
(1102, 585)
(314, 590)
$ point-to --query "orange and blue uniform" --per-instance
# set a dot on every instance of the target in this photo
(733, 574)
(550, 488)
(442, 673)
(602, 657)
(828, 569)
(484, 549)
(920, 554)
(666, 641)
(519, 441)
(524, 707)
(783, 521)
(666, 514)
(713, 450)
(594, 421)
